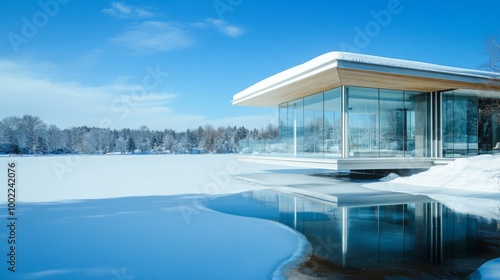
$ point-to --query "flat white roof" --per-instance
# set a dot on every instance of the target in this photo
(341, 68)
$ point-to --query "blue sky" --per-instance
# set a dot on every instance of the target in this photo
(177, 63)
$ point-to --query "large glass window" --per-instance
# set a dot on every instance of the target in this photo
(283, 128)
(418, 126)
(388, 123)
(333, 123)
(393, 123)
(460, 124)
(363, 122)
(299, 126)
(380, 123)
(313, 125)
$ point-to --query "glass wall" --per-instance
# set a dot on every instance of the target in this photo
(291, 126)
(381, 123)
(333, 123)
(388, 123)
(393, 119)
(283, 128)
(363, 122)
(417, 124)
(460, 124)
(311, 126)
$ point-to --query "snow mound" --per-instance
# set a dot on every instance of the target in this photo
(479, 173)
(389, 177)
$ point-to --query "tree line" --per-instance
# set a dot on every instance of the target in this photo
(31, 135)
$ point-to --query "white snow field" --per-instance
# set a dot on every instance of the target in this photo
(136, 217)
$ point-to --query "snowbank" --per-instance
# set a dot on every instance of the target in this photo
(479, 173)
(138, 217)
(466, 185)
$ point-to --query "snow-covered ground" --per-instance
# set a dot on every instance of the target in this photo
(137, 217)
(479, 173)
(466, 185)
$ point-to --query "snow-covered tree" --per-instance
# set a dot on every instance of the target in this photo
(91, 142)
(131, 144)
(144, 139)
(55, 139)
(32, 126)
(9, 127)
(169, 141)
(41, 146)
(208, 138)
(121, 145)
(241, 133)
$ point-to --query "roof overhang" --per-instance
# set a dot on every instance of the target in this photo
(336, 69)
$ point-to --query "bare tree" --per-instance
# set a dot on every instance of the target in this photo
(493, 65)
(493, 48)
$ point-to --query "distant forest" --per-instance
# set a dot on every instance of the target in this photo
(30, 135)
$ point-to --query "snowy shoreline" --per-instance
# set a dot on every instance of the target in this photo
(466, 185)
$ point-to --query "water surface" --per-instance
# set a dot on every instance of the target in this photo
(422, 239)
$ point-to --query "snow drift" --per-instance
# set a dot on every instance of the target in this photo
(479, 173)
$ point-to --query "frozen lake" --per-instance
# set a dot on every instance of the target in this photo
(135, 217)
(213, 217)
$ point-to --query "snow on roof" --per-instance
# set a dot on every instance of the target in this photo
(409, 64)
(331, 59)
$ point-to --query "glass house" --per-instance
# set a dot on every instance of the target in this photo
(353, 111)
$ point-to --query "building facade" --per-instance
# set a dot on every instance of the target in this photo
(342, 106)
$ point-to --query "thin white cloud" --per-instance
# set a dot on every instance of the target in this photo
(116, 105)
(226, 28)
(90, 58)
(155, 36)
(122, 10)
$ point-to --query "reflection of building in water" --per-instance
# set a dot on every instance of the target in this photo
(395, 237)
